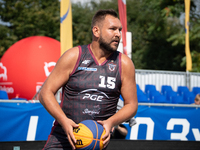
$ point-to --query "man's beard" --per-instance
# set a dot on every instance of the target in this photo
(106, 46)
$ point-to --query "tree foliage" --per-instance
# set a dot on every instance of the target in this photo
(149, 26)
(158, 38)
(178, 38)
(28, 18)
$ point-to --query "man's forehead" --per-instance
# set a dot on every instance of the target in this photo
(112, 21)
(109, 21)
(108, 17)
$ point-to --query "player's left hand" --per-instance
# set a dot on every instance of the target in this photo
(106, 136)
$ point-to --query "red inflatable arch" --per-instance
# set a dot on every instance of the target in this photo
(26, 64)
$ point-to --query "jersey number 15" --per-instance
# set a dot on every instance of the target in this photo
(109, 83)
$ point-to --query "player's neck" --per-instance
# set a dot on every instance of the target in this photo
(99, 54)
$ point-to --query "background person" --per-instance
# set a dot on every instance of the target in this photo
(197, 99)
(119, 132)
(92, 78)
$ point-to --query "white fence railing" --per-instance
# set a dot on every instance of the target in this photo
(172, 78)
(158, 78)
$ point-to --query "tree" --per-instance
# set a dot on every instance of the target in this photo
(178, 38)
(158, 38)
(28, 18)
(151, 26)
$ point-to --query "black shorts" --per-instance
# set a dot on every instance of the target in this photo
(57, 140)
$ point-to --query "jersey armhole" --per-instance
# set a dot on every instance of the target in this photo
(77, 62)
(120, 65)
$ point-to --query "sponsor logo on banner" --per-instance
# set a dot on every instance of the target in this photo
(47, 66)
(5, 86)
(47, 72)
(3, 75)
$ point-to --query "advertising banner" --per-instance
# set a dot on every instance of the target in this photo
(166, 123)
(24, 122)
(31, 122)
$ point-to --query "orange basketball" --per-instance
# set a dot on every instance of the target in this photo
(89, 135)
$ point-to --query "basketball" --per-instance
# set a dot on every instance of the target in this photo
(89, 135)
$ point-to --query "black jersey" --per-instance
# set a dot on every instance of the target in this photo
(93, 90)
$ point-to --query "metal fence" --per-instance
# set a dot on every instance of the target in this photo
(172, 78)
(158, 78)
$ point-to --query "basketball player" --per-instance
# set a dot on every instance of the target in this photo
(92, 78)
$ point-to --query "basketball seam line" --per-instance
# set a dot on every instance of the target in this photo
(96, 135)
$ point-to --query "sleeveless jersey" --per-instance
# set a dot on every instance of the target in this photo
(92, 91)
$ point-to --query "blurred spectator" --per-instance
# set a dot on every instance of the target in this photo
(119, 132)
(197, 99)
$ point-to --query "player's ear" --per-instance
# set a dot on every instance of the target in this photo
(96, 31)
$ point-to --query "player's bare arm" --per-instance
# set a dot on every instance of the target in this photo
(128, 89)
(129, 94)
(58, 77)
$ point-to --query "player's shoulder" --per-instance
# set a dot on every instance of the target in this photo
(69, 57)
(127, 69)
(72, 52)
(126, 61)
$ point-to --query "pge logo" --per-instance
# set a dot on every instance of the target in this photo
(94, 95)
(3, 75)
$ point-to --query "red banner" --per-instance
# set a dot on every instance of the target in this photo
(123, 19)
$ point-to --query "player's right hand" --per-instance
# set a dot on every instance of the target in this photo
(68, 128)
